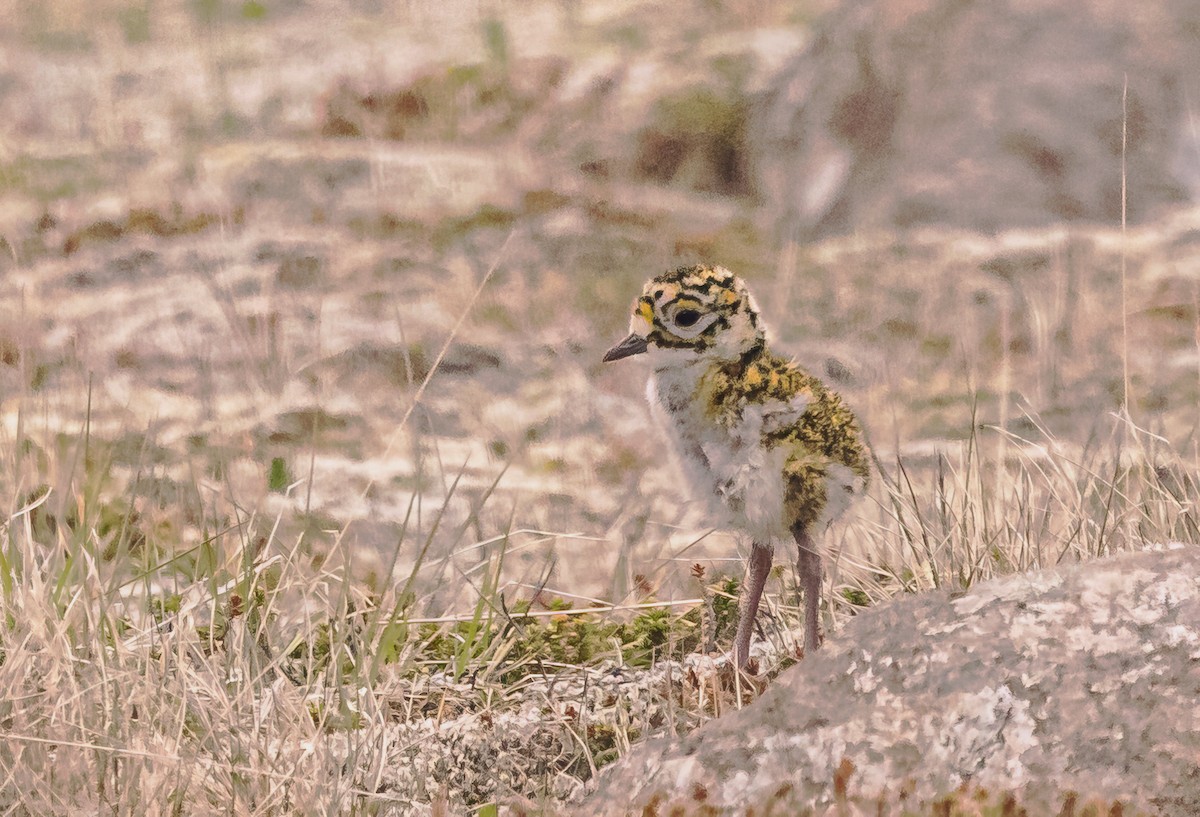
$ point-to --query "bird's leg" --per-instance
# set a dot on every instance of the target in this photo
(809, 566)
(760, 566)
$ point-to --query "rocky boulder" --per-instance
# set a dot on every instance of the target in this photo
(981, 114)
(1058, 687)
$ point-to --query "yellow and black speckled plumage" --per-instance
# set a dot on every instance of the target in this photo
(826, 432)
(768, 446)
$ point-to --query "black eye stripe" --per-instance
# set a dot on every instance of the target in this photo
(669, 341)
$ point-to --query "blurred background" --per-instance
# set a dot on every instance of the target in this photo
(333, 279)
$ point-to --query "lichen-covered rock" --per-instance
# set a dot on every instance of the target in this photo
(1078, 679)
(546, 739)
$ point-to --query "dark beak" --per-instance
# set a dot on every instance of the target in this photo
(632, 345)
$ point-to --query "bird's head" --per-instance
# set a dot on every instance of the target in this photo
(692, 313)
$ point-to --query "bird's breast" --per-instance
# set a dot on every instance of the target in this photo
(725, 465)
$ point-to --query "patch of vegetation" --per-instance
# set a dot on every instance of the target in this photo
(473, 102)
(45, 26)
(134, 21)
(696, 138)
(280, 476)
(52, 178)
(173, 222)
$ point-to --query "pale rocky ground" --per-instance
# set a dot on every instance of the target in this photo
(187, 236)
(241, 291)
(983, 115)
(1079, 679)
(237, 287)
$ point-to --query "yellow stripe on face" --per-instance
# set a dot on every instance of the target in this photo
(647, 312)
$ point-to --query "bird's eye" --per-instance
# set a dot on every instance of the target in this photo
(686, 318)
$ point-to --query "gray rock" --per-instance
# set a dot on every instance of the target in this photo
(1083, 679)
(980, 114)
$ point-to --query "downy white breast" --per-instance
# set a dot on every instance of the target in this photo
(740, 482)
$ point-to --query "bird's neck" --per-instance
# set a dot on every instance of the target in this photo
(679, 382)
(755, 352)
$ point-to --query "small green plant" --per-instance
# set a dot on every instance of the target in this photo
(280, 476)
(253, 10)
(134, 21)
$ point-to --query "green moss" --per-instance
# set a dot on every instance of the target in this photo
(48, 179)
(163, 606)
(856, 597)
(280, 476)
(134, 21)
(495, 37)
(207, 12)
(526, 644)
(253, 10)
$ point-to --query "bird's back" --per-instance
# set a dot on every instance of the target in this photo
(763, 438)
